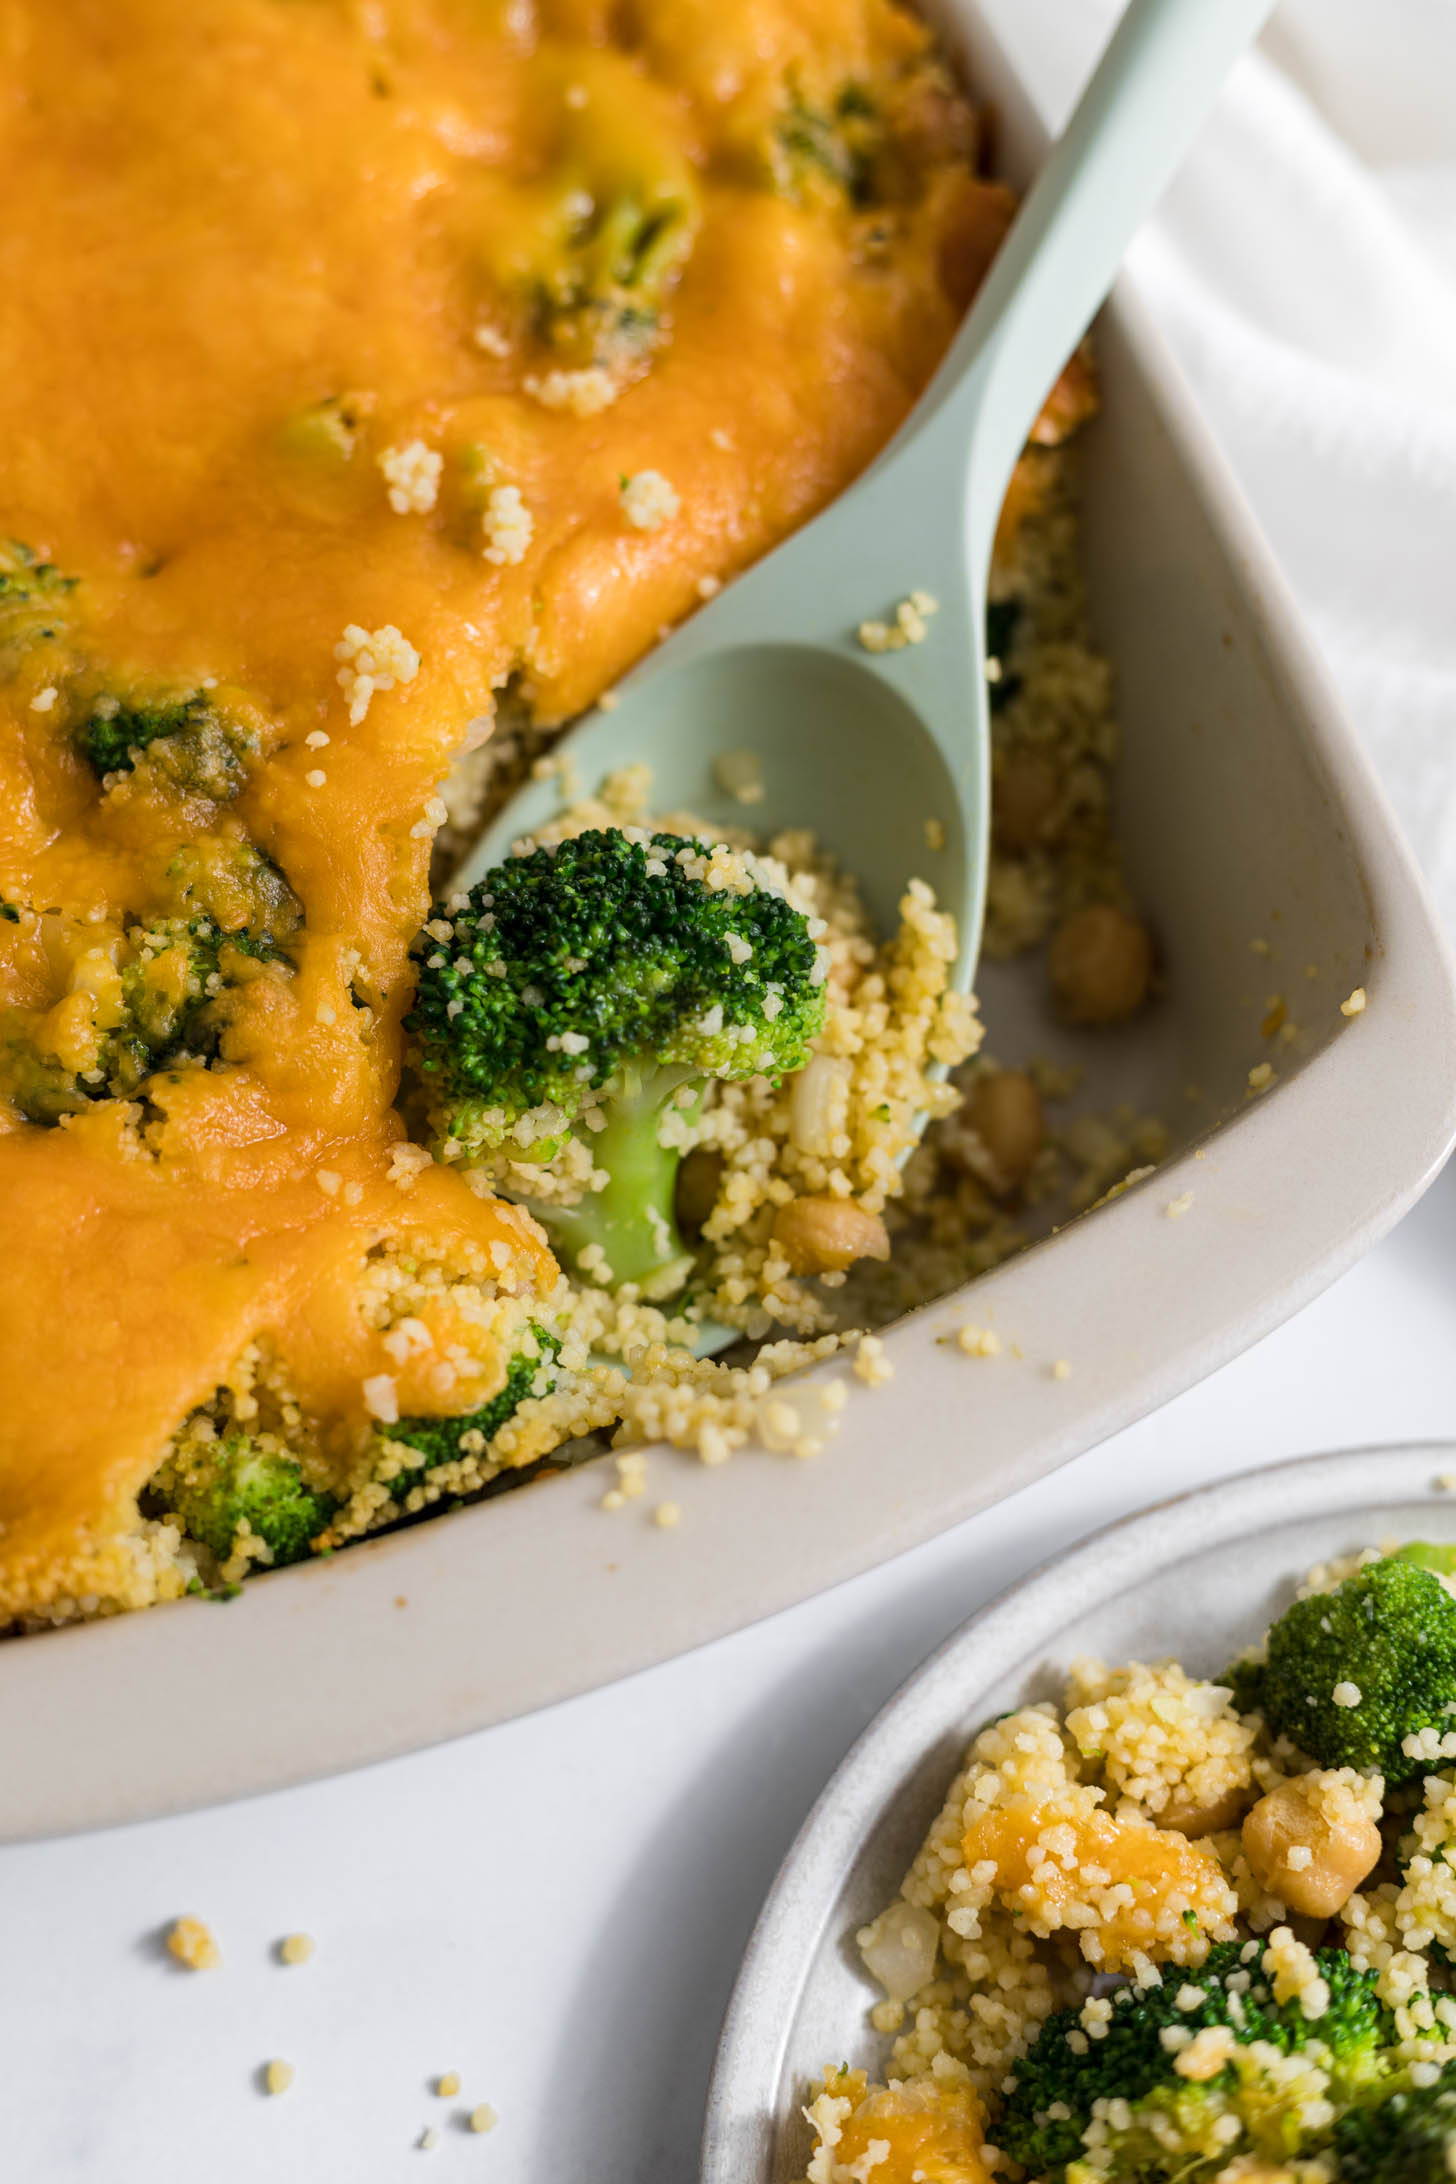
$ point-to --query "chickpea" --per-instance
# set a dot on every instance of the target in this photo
(1023, 798)
(1003, 1107)
(1342, 1849)
(1208, 1819)
(1100, 962)
(698, 1180)
(826, 1235)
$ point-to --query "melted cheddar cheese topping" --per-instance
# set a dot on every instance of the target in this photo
(332, 330)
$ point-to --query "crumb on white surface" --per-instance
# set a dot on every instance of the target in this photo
(975, 1341)
(296, 1948)
(631, 1476)
(277, 2076)
(1354, 1003)
(190, 1941)
(1176, 1207)
(871, 1364)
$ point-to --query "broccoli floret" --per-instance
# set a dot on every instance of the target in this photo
(24, 577)
(33, 596)
(602, 303)
(864, 146)
(179, 972)
(229, 881)
(1388, 1632)
(38, 1084)
(438, 1440)
(1057, 2082)
(217, 1490)
(1243, 1680)
(188, 743)
(1407, 2138)
(597, 986)
(164, 985)
(159, 1008)
(836, 149)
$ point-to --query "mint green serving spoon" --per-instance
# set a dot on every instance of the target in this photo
(865, 747)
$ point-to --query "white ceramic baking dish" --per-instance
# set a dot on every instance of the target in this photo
(1199, 1577)
(1249, 815)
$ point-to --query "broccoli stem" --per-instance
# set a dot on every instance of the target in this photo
(633, 1218)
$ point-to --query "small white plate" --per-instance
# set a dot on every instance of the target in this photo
(1263, 850)
(1199, 1577)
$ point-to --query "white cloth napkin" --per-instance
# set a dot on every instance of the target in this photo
(1304, 266)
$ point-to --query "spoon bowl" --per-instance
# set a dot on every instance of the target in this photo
(783, 735)
(843, 679)
(885, 753)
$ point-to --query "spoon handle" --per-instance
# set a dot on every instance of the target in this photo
(1154, 85)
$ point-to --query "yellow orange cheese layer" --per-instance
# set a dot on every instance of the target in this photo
(250, 249)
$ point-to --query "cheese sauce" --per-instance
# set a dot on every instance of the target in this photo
(295, 291)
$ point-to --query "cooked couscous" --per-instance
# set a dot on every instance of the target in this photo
(538, 332)
(1169, 1928)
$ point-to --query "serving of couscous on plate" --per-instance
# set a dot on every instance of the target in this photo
(1168, 1927)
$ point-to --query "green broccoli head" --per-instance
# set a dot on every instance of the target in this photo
(174, 983)
(163, 1010)
(188, 743)
(1169, 2118)
(33, 600)
(439, 1441)
(602, 304)
(166, 982)
(1388, 1634)
(592, 986)
(826, 151)
(232, 1486)
(1409, 2137)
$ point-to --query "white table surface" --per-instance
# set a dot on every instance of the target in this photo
(556, 1908)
